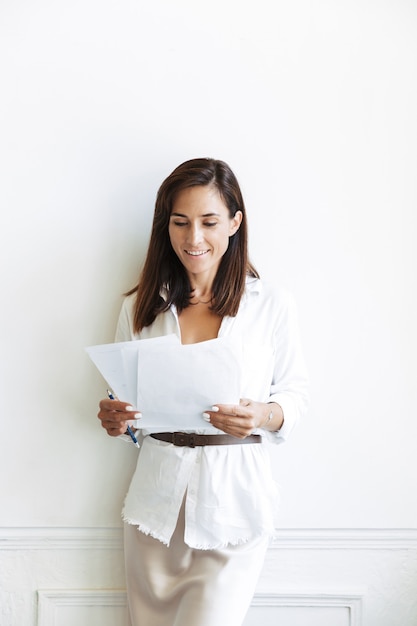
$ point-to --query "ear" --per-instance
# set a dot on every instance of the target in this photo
(235, 222)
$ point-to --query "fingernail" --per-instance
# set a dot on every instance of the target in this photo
(130, 408)
(215, 408)
(206, 416)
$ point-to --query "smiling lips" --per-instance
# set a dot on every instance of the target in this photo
(196, 252)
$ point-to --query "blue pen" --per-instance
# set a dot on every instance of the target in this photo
(129, 430)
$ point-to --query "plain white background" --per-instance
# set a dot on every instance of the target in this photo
(313, 106)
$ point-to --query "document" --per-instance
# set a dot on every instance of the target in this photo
(169, 383)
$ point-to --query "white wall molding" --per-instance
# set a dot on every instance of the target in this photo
(72, 538)
(314, 599)
(55, 605)
(346, 539)
(43, 538)
(326, 577)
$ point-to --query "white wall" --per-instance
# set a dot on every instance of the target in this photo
(313, 105)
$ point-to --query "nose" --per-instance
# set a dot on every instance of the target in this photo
(195, 235)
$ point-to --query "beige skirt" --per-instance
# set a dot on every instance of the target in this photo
(179, 585)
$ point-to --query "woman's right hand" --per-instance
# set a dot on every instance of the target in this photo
(116, 416)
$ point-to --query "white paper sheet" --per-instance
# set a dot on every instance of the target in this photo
(169, 383)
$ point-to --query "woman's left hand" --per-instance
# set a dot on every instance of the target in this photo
(242, 419)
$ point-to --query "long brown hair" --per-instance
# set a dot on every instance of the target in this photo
(163, 270)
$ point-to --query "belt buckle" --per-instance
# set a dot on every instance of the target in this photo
(183, 439)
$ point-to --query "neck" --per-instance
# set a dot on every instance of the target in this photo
(201, 296)
(201, 290)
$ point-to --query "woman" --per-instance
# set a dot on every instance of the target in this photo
(199, 510)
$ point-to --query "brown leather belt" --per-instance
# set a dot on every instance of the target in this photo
(191, 440)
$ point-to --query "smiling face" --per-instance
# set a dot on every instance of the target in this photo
(199, 230)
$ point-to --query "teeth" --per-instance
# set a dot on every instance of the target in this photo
(196, 252)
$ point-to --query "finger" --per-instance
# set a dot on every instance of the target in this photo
(109, 422)
(236, 431)
(115, 405)
(235, 425)
(227, 409)
(116, 418)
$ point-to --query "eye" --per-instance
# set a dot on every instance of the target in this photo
(179, 223)
(210, 224)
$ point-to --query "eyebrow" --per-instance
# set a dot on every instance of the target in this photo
(174, 213)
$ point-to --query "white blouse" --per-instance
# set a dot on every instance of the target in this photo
(230, 495)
